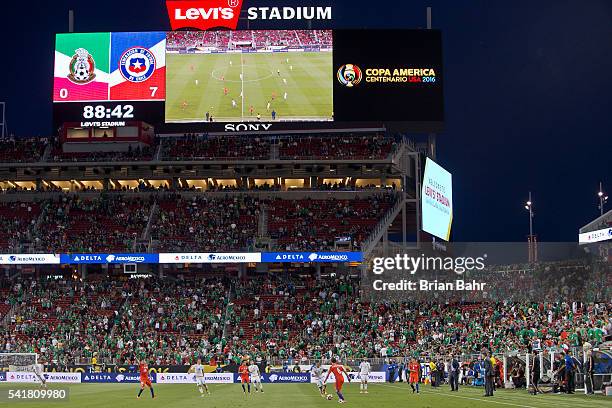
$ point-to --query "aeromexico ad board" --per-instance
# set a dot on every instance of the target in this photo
(225, 79)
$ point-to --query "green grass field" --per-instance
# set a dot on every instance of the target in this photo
(306, 79)
(302, 395)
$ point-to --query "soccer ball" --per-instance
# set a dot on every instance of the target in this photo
(329, 397)
(81, 71)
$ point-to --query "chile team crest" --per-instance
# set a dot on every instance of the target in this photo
(137, 64)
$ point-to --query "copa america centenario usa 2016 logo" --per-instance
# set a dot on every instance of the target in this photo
(349, 75)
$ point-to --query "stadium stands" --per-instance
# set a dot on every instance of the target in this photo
(278, 316)
(17, 221)
(216, 148)
(316, 224)
(203, 224)
(80, 225)
(24, 150)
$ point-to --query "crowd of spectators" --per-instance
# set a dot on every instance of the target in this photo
(316, 224)
(277, 317)
(22, 150)
(346, 147)
(17, 222)
(138, 153)
(206, 224)
(216, 148)
(182, 40)
(106, 223)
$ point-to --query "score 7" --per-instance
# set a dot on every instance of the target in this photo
(153, 90)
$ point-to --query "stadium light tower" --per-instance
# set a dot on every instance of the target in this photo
(531, 240)
(603, 199)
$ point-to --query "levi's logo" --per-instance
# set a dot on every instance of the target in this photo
(203, 14)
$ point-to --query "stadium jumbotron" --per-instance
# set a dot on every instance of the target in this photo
(252, 204)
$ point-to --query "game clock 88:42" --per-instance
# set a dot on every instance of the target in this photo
(105, 112)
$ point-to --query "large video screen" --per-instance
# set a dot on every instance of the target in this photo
(205, 79)
(243, 76)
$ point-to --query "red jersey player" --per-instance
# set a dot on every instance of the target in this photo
(243, 370)
(145, 381)
(338, 371)
(414, 368)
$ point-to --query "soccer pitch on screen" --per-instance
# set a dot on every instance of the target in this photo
(237, 87)
(303, 395)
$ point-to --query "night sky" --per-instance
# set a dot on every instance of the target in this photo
(527, 86)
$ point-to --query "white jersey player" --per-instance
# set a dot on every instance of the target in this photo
(233, 103)
(39, 371)
(198, 369)
(318, 375)
(255, 376)
(364, 373)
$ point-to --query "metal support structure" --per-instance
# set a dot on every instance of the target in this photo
(3, 122)
(71, 21)
(417, 178)
(531, 239)
(603, 199)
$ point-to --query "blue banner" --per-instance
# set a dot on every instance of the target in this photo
(2, 376)
(113, 377)
(109, 258)
(281, 378)
(317, 257)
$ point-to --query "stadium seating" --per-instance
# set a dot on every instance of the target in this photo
(136, 154)
(315, 224)
(203, 224)
(22, 150)
(16, 224)
(216, 148)
(348, 147)
(281, 316)
(80, 225)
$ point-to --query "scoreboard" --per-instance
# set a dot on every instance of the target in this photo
(201, 80)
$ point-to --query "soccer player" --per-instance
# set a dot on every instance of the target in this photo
(184, 105)
(273, 114)
(317, 373)
(233, 103)
(290, 67)
(338, 371)
(197, 82)
(225, 91)
(278, 72)
(285, 81)
(364, 373)
(285, 96)
(255, 376)
(251, 110)
(414, 367)
(268, 106)
(39, 371)
(243, 371)
(198, 368)
(145, 381)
